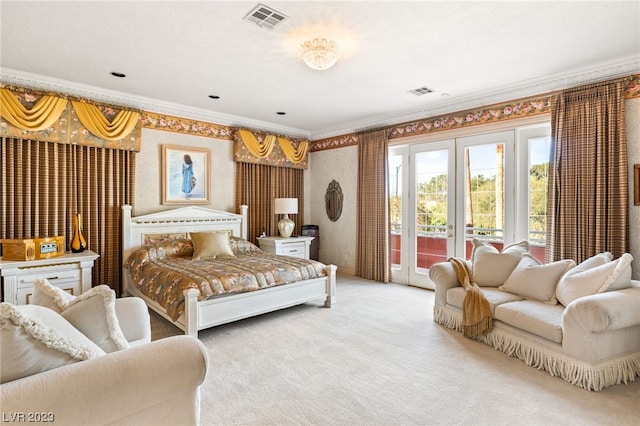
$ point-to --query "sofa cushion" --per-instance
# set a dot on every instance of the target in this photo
(36, 339)
(491, 268)
(538, 318)
(595, 275)
(92, 313)
(211, 244)
(495, 297)
(534, 280)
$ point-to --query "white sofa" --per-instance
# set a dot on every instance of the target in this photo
(593, 342)
(147, 383)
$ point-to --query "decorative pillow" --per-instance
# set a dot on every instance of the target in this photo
(595, 275)
(241, 246)
(93, 313)
(490, 268)
(534, 280)
(48, 295)
(36, 339)
(211, 244)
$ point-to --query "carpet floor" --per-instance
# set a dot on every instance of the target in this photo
(377, 358)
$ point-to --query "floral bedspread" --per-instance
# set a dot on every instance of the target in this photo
(163, 270)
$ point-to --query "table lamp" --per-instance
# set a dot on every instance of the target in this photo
(286, 206)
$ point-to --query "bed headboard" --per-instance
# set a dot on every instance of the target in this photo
(135, 230)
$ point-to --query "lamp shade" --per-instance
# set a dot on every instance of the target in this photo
(286, 206)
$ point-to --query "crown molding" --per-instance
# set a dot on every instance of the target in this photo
(625, 66)
(621, 67)
(112, 97)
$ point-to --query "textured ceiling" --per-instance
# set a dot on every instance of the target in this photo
(176, 54)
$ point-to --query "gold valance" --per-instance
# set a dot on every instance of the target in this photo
(294, 154)
(93, 119)
(257, 148)
(260, 149)
(29, 114)
(40, 116)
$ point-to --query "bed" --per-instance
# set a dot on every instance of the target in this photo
(198, 312)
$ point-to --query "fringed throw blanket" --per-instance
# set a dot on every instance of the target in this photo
(476, 312)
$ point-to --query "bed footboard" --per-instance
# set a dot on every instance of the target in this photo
(217, 311)
(331, 286)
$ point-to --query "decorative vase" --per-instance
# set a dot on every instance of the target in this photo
(77, 243)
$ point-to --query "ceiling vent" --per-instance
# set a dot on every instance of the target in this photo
(265, 17)
(421, 91)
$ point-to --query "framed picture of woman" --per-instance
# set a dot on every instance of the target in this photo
(185, 175)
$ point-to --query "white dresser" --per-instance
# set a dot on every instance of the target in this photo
(293, 246)
(71, 272)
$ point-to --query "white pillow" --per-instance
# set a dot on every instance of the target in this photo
(595, 275)
(48, 295)
(93, 313)
(489, 267)
(211, 244)
(36, 339)
(534, 280)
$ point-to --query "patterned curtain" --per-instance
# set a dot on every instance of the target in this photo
(43, 184)
(373, 242)
(587, 206)
(258, 185)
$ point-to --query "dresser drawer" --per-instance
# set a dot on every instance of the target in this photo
(296, 250)
(54, 276)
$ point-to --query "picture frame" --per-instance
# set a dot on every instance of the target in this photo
(184, 182)
(636, 185)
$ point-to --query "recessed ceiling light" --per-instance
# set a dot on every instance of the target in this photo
(214, 96)
(281, 113)
(118, 74)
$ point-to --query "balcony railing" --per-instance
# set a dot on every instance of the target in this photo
(431, 243)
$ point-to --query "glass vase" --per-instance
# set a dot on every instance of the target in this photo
(77, 243)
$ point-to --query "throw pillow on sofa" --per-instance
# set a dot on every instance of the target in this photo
(36, 339)
(532, 279)
(491, 268)
(92, 313)
(597, 274)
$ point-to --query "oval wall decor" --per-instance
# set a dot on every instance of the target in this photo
(333, 201)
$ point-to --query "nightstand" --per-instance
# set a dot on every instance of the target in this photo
(293, 246)
(71, 272)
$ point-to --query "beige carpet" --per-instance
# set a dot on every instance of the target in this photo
(377, 358)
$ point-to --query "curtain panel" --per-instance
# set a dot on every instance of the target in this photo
(587, 206)
(43, 184)
(373, 242)
(33, 115)
(257, 186)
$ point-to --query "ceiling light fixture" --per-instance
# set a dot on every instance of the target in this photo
(319, 53)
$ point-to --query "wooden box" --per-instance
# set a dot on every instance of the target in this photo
(32, 249)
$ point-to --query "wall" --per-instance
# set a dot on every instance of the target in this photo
(148, 170)
(337, 239)
(632, 119)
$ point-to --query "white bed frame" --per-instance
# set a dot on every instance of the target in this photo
(224, 309)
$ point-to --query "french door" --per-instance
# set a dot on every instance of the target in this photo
(443, 194)
(422, 196)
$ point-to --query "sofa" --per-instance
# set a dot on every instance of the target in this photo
(577, 322)
(109, 373)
